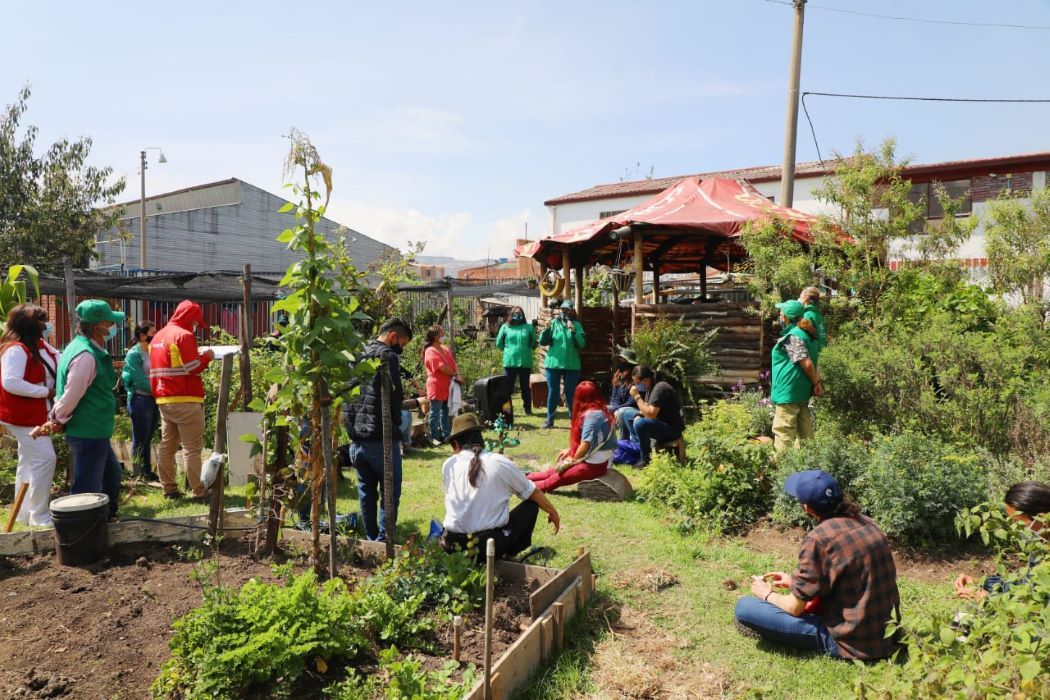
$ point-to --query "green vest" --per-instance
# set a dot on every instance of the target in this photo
(814, 316)
(517, 343)
(94, 416)
(790, 383)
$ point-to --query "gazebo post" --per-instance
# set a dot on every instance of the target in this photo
(639, 267)
(656, 281)
(579, 289)
(565, 271)
(703, 281)
(543, 275)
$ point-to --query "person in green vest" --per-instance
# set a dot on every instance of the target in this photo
(517, 339)
(795, 377)
(810, 299)
(564, 338)
(86, 406)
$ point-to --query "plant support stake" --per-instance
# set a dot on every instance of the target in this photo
(329, 469)
(490, 572)
(457, 637)
(388, 457)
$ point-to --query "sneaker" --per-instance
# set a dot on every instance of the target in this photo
(745, 630)
(640, 464)
(149, 477)
(548, 424)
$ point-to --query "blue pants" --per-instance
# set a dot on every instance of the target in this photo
(440, 423)
(367, 458)
(804, 632)
(406, 427)
(145, 421)
(521, 375)
(95, 469)
(625, 423)
(649, 429)
(555, 377)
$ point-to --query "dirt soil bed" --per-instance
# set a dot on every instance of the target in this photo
(103, 631)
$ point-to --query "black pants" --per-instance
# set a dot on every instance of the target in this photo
(511, 539)
(522, 376)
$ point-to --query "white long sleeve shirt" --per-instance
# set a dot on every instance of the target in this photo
(13, 363)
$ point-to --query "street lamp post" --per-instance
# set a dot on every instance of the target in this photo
(142, 203)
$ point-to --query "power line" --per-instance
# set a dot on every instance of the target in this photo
(920, 20)
(908, 98)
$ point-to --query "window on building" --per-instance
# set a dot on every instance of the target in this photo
(926, 192)
(607, 214)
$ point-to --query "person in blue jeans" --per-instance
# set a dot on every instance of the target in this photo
(563, 339)
(659, 412)
(622, 404)
(142, 407)
(367, 458)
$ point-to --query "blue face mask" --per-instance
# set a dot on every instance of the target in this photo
(47, 330)
(112, 332)
(641, 388)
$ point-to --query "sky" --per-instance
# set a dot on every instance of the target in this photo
(452, 122)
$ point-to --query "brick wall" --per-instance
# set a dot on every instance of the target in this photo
(983, 188)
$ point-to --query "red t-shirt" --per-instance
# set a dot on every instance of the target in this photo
(438, 383)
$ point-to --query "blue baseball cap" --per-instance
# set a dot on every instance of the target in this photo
(815, 488)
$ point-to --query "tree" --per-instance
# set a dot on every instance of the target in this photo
(1017, 243)
(49, 203)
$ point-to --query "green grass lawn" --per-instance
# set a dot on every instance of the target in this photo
(626, 540)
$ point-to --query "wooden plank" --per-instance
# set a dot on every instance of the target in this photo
(542, 598)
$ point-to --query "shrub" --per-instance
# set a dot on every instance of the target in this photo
(725, 480)
(845, 458)
(404, 679)
(677, 351)
(992, 649)
(914, 486)
(758, 408)
(477, 358)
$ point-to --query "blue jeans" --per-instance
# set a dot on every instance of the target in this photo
(145, 421)
(440, 423)
(367, 458)
(521, 375)
(95, 469)
(803, 632)
(649, 429)
(406, 427)
(555, 377)
(625, 423)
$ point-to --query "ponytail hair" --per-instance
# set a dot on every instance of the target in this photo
(475, 441)
(807, 325)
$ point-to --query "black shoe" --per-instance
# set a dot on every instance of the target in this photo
(174, 495)
(149, 476)
(745, 630)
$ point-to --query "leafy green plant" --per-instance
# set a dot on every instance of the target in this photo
(1018, 247)
(404, 679)
(449, 581)
(477, 358)
(677, 351)
(914, 486)
(13, 290)
(994, 648)
(725, 482)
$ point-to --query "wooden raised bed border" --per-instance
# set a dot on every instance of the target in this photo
(561, 595)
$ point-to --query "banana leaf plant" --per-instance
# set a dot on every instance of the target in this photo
(13, 290)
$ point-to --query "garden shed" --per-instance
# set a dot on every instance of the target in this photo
(691, 227)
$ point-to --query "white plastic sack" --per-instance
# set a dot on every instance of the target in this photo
(210, 468)
(455, 399)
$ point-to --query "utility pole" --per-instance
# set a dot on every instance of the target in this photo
(787, 176)
(142, 214)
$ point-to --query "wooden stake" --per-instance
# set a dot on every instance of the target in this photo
(457, 636)
(246, 337)
(218, 488)
(17, 506)
(490, 554)
(329, 463)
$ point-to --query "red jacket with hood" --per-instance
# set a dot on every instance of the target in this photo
(175, 364)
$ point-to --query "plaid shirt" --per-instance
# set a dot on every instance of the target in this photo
(847, 563)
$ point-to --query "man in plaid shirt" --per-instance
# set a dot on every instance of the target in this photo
(844, 590)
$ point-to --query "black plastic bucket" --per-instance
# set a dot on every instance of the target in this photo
(81, 528)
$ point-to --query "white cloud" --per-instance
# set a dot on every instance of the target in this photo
(505, 232)
(444, 234)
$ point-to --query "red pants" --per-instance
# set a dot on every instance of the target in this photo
(549, 480)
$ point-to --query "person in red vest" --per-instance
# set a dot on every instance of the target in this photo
(27, 368)
(175, 366)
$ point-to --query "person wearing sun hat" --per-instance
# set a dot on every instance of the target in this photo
(795, 377)
(478, 486)
(844, 591)
(85, 406)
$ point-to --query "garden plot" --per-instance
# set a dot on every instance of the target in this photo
(106, 630)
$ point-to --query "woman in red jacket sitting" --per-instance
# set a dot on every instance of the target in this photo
(592, 441)
(27, 384)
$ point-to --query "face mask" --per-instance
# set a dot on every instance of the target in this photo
(111, 333)
(518, 318)
(397, 348)
(47, 330)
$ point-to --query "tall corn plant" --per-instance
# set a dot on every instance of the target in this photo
(320, 342)
(13, 290)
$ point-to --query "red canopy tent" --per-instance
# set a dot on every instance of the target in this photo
(685, 228)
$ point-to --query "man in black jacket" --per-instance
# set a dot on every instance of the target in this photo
(363, 418)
